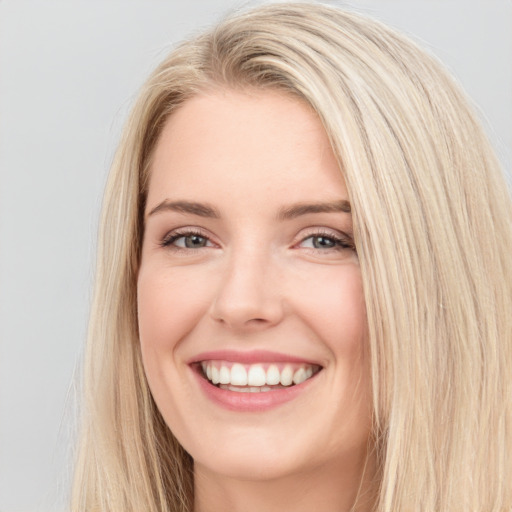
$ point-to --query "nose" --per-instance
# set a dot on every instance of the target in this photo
(249, 294)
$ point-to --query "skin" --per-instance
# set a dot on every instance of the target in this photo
(256, 280)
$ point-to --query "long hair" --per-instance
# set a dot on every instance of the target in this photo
(433, 230)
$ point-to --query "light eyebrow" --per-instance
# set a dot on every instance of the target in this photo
(296, 210)
(199, 209)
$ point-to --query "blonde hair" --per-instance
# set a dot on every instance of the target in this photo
(433, 226)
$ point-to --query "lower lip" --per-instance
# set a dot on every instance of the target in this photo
(251, 402)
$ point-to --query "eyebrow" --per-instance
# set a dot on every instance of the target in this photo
(200, 209)
(297, 210)
(287, 213)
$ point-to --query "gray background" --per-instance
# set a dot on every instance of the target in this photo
(69, 71)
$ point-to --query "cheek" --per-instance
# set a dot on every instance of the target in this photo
(334, 307)
(170, 304)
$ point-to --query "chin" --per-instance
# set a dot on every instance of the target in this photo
(251, 465)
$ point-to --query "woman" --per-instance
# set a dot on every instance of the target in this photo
(303, 288)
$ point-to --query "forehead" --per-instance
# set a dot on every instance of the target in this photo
(245, 144)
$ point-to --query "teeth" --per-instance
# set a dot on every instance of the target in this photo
(246, 389)
(287, 376)
(273, 375)
(224, 375)
(256, 377)
(299, 376)
(238, 375)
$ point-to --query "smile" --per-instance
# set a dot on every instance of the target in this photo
(256, 378)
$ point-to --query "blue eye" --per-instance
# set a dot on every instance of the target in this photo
(186, 241)
(323, 242)
(191, 241)
(326, 242)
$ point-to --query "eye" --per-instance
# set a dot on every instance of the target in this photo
(186, 240)
(191, 241)
(326, 241)
(319, 242)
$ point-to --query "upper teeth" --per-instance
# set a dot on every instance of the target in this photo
(237, 374)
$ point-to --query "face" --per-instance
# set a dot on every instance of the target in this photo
(251, 311)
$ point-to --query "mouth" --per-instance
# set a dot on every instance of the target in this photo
(256, 378)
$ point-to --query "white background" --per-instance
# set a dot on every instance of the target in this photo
(69, 71)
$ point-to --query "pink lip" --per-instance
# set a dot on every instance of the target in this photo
(248, 402)
(254, 356)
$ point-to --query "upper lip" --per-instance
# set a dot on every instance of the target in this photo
(248, 357)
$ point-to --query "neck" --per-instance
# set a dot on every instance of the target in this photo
(326, 488)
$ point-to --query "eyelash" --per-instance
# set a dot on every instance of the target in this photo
(340, 242)
(172, 237)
